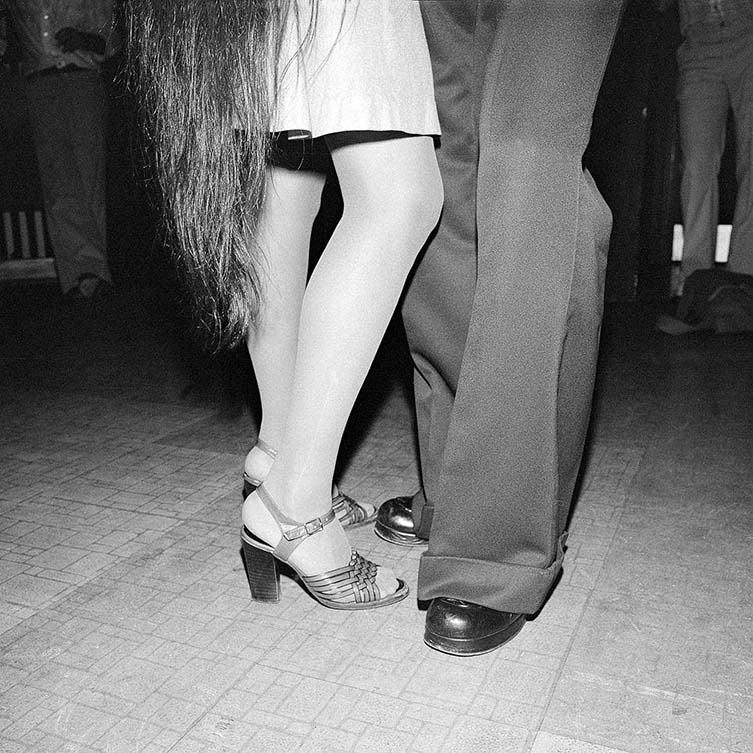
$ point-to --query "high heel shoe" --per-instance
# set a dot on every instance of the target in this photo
(350, 513)
(352, 587)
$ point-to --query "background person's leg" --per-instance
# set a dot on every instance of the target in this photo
(703, 103)
(88, 128)
(67, 113)
(740, 77)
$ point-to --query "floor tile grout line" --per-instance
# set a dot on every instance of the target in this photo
(576, 631)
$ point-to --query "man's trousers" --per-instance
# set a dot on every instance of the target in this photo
(503, 312)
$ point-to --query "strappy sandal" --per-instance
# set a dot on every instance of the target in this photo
(350, 513)
(352, 587)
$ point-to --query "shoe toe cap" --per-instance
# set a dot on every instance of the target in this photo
(396, 514)
(463, 620)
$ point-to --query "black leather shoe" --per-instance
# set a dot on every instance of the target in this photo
(394, 522)
(465, 629)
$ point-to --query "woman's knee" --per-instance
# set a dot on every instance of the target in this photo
(410, 203)
(417, 201)
(395, 184)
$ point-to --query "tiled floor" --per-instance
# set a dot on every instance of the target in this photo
(125, 619)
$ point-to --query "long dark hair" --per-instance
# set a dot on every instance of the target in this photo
(205, 72)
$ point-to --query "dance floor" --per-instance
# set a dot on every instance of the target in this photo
(126, 624)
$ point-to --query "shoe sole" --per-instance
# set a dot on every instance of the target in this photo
(399, 595)
(401, 539)
(474, 646)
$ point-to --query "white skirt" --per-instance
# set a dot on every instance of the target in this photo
(365, 68)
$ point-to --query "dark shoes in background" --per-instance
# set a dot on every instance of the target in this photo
(712, 299)
(89, 288)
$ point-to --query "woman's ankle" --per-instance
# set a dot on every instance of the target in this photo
(326, 547)
(299, 502)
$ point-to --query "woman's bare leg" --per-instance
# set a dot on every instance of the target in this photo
(392, 199)
(293, 199)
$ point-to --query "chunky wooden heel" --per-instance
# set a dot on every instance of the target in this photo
(261, 570)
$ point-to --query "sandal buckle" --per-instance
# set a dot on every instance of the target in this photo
(313, 526)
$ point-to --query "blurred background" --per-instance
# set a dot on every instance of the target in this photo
(633, 155)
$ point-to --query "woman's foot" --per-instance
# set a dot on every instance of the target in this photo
(326, 548)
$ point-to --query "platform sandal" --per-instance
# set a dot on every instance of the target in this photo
(352, 587)
(350, 513)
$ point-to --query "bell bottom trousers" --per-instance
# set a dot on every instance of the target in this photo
(503, 311)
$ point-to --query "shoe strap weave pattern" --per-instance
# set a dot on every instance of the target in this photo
(354, 584)
(348, 511)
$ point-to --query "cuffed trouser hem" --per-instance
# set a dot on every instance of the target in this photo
(521, 589)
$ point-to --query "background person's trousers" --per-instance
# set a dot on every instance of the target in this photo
(505, 306)
(68, 113)
(713, 78)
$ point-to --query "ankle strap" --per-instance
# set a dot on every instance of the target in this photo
(267, 449)
(310, 527)
(295, 535)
